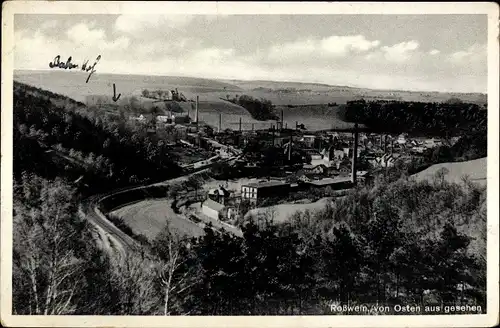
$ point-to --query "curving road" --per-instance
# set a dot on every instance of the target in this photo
(90, 208)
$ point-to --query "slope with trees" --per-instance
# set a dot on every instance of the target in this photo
(63, 141)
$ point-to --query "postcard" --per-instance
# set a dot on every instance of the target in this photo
(249, 164)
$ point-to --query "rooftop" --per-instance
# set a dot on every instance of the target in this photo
(213, 205)
(311, 166)
(265, 184)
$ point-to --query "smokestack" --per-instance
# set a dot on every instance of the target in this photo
(281, 124)
(290, 149)
(220, 122)
(196, 110)
(240, 123)
(354, 155)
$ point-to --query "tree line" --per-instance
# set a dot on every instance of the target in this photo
(445, 119)
(260, 109)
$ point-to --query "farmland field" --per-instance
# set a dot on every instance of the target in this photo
(149, 217)
(309, 99)
(475, 170)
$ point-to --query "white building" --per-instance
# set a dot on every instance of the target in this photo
(212, 209)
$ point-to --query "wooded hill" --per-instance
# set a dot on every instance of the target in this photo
(419, 118)
(56, 136)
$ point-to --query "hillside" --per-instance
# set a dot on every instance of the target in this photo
(475, 170)
(72, 83)
(299, 93)
(301, 102)
(56, 136)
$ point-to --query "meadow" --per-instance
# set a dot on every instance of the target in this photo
(305, 103)
(149, 217)
(475, 170)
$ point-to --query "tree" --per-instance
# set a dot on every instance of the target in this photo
(47, 236)
(176, 271)
(133, 281)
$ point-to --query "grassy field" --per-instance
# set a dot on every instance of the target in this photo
(282, 213)
(475, 170)
(310, 98)
(149, 217)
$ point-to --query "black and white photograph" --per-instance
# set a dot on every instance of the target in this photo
(250, 165)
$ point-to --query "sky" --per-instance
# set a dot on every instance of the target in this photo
(406, 52)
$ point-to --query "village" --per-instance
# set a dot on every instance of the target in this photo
(262, 168)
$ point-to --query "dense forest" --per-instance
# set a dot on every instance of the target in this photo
(393, 243)
(73, 141)
(428, 119)
(260, 109)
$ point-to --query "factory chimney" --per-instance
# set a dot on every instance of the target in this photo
(240, 123)
(196, 110)
(290, 148)
(281, 123)
(354, 155)
(220, 122)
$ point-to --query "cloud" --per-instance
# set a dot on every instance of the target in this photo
(476, 53)
(81, 42)
(141, 23)
(83, 36)
(148, 45)
(400, 52)
(49, 25)
(331, 47)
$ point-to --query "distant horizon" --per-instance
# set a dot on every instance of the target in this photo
(259, 80)
(446, 53)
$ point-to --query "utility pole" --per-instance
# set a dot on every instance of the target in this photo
(354, 155)
(196, 109)
(281, 123)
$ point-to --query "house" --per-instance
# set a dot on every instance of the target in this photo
(262, 189)
(219, 195)
(362, 176)
(432, 143)
(309, 140)
(344, 170)
(212, 209)
(316, 157)
(315, 169)
(386, 160)
(401, 139)
(417, 150)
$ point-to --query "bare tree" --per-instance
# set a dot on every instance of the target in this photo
(133, 280)
(45, 227)
(174, 274)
